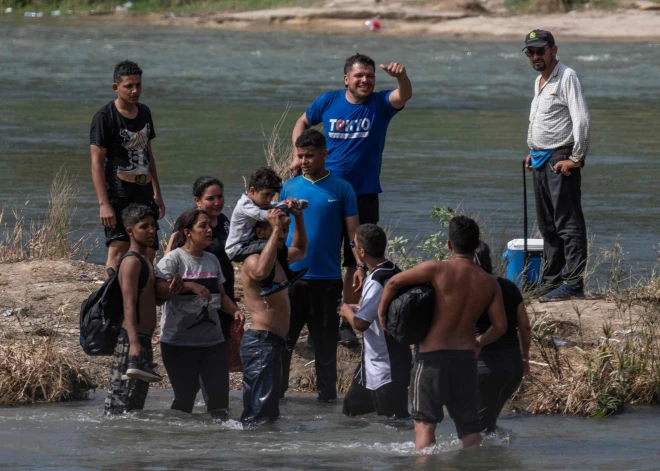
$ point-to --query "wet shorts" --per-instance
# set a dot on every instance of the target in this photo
(368, 213)
(446, 378)
(119, 231)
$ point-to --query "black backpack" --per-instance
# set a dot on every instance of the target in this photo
(410, 313)
(102, 313)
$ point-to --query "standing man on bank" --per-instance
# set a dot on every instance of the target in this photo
(355, 122)
(315, 299)
(123, 167)
(558, 138)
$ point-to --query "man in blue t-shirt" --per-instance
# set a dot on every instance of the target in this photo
(315, 299)
(355, 122)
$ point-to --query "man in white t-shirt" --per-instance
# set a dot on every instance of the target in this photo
(381, 381)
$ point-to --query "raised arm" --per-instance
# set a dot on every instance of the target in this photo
(404, 91)
(423, 273)
(301, 125)
(259, 268)
(497, 316)
(107, 214)
(298, 249)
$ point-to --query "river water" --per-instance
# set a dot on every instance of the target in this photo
(75, 436)
(460, 140)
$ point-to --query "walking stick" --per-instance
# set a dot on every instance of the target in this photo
(525, 251)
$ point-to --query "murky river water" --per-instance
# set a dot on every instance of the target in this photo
(74, 436)
(460, 140)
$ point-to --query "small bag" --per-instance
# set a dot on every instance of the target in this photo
(410, 313)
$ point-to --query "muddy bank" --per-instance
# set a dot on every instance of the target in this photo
(41, 299)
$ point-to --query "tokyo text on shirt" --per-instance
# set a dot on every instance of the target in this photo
(355, 135)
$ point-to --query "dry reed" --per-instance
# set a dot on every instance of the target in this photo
(279, 150)
(38, 370)
(49, 238)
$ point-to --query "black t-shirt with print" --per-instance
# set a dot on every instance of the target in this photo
(217, 248)
(127, 168)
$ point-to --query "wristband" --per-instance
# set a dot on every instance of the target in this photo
(362, 265)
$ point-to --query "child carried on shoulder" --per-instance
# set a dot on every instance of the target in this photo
(251, 208)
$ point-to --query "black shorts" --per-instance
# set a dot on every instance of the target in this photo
(446, 378)
(118, 233)
(368, 213)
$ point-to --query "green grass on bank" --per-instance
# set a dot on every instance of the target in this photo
(145, 6)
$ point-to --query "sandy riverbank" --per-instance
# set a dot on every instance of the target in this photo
(450, 18)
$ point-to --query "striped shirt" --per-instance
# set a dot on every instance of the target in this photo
(559, 115)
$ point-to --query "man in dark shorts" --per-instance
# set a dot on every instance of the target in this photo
(355, 122)
(445, 369)
(123, 167)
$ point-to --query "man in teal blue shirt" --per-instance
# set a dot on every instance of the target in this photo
(315, 299)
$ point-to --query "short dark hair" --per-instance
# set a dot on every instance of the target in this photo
(311, 138)
(372, 239)
(265, 178)
(125, 68)
(464, 234)
(136, 212)
(202, 183)
(358, 58)
(186, 221)
(483, 257)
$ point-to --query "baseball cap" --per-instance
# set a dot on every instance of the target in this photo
(539, 38)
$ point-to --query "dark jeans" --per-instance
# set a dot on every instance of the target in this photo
(499, 374)
(316, 303)
(390, 400)
(262, 353)
(561, 222)
(187, 365)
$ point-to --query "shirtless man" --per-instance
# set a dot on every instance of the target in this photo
(132, 368)
(263, 345)
(445, 369)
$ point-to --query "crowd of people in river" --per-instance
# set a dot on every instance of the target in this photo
(290, 237)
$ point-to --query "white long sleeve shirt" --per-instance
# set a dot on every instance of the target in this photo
(559, 114)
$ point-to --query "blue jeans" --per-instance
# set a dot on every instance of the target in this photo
(262, 353)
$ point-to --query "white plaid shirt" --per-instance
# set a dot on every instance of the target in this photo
(559, 114)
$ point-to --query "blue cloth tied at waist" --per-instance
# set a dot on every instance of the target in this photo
(540, 157)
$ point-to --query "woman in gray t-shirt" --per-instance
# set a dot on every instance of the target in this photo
(192, 344)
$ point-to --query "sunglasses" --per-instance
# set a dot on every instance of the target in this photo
(531, 52)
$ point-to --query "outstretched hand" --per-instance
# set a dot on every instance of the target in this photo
(395, 69)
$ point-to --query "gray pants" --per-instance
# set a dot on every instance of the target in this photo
(561, 222)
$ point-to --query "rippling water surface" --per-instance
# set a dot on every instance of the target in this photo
(309, 435)
(459, 141)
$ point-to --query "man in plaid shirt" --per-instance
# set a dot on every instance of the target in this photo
(558, 138)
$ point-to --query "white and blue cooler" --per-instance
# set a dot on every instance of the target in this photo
(514, 256)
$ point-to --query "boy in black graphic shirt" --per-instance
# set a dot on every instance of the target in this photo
(123, 167)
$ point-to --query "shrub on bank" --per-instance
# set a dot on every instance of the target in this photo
(38, 371)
